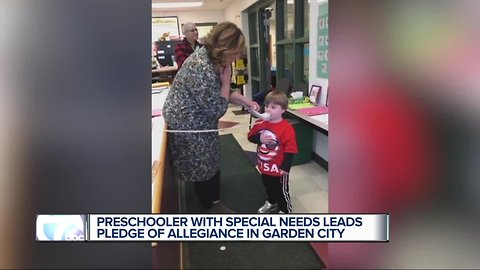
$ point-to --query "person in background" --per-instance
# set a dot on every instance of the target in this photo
(199, 96)
(188, 45)
(276, 147)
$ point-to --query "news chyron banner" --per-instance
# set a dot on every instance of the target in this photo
(240, 227)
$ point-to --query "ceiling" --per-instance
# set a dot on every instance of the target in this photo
(207, 5)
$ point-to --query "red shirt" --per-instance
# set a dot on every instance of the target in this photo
(270, 157)
(183, 50)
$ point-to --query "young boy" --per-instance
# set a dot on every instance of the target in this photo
(276, 147)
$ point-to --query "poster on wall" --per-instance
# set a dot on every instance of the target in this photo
(322, 44)
(165, 28)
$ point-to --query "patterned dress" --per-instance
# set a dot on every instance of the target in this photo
(194, 103)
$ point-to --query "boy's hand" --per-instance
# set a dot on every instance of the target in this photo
(282, 172)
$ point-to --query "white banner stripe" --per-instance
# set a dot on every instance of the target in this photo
(255, 227)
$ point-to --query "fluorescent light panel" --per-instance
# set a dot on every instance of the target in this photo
(177, 4)
(291, 2)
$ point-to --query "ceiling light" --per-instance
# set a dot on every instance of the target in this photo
(290, 2)
(177, 4)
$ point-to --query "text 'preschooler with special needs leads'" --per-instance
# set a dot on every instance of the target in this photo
(276, 147)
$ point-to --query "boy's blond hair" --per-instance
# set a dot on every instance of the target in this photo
(277, 97)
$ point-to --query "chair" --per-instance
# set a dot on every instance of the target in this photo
(285, 86)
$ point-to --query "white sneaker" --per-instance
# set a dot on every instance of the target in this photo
(267, 208)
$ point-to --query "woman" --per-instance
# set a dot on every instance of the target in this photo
(198, 97)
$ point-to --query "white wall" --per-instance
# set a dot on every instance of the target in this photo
(320, 141)
(195, 17)
(312, 74)
(234, 14)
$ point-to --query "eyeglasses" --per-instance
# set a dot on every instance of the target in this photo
(193, 30)
(272, 146)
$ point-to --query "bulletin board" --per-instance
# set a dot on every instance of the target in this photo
(322, 43)
(162, 25)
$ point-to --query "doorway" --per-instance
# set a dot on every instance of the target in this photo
(278, 43)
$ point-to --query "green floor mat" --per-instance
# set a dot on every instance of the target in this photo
(242, 191)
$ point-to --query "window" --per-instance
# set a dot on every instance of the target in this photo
(289, 17)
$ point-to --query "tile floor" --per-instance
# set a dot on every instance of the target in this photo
(308, 182)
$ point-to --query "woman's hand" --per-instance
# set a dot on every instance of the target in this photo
(239, 99)
(252, 105)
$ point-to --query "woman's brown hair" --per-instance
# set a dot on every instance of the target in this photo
(224, 41)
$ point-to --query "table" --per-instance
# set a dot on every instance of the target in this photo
(159, 144)
(318, 122)
(164, 74)
(164, 69)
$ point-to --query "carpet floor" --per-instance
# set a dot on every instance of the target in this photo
(240, 112)
(242, 191)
